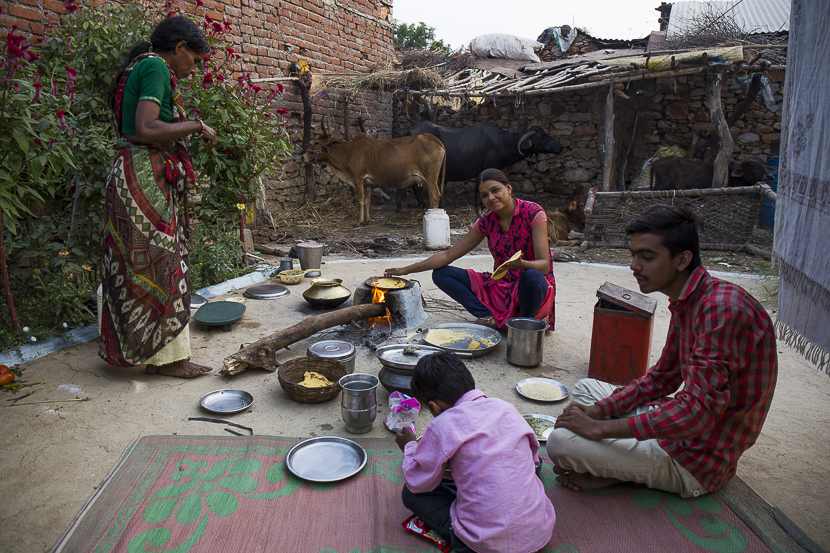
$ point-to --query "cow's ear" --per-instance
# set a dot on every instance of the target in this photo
(527, 144)
(738, 171)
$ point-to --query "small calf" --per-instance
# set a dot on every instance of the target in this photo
(565, 220)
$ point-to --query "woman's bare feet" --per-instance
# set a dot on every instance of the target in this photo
(181, 369)
(487, 321)
(582, 482)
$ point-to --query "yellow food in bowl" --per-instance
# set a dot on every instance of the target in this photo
(313, 379)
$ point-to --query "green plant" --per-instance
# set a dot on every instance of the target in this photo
(250, 126)
(214, 253)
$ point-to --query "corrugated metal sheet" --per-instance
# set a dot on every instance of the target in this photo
(753, 16)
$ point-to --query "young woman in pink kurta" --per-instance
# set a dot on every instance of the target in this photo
(510, 225)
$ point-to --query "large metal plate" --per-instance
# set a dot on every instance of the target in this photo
(226, 402)
(219, 313)
(544, 436)
(393, 356)
(520, 387)
(474, 332)
(326, 459)
(196, 301)
(266, 292)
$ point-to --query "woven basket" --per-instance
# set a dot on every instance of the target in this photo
(292, 276)
(293, 371)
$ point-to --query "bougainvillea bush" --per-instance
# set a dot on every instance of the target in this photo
(57, 141)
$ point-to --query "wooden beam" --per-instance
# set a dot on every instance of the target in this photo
(727, 145)
(310, 184)
(608, 152)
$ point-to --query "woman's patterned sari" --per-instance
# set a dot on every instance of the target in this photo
(145, 273)
(501, 296)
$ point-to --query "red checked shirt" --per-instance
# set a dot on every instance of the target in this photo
(721, 348)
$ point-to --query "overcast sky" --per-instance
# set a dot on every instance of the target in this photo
(456, 22)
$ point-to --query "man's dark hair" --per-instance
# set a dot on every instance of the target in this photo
(441, 376)
(676, 226)
(484, 176)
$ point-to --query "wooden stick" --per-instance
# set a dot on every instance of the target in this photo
(263, 353)
(51, 401)
(608, 157)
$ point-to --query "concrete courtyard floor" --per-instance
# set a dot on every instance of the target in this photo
(55, 454)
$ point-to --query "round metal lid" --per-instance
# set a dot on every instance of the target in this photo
(332, 349)
(266, 292)
(197, 301)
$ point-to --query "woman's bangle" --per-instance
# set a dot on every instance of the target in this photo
(201, 123)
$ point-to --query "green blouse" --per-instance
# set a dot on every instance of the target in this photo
(149, 80)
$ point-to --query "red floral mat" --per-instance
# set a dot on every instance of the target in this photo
(209, 494)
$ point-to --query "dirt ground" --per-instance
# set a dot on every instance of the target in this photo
(58, 450)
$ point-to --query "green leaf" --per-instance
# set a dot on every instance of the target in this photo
(22, 141)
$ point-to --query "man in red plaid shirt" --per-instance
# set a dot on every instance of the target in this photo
(720, 354)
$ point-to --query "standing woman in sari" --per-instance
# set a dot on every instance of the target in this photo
(145, 272)
(510, 225)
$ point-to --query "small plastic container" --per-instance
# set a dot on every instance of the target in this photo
(436, 229)
(336, 350)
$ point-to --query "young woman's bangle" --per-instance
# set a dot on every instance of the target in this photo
(201, 123)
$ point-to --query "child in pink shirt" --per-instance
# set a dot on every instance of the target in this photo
(494, 503)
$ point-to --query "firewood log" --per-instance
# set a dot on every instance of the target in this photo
(262, 354)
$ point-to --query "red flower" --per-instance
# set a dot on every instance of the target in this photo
(207, 80)
(217, 27)
(282, 111)
(71, 8)
(171, 14)
(279, 87)
(38, 142)
(15, 47)
(37, 86)
(227, 26)
(199, 3)
(208, 19)
(230, 50)
(60, 115)
(220, 78)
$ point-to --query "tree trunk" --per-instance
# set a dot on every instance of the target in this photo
(262, 353)
(727, 145)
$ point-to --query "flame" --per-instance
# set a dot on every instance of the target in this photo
(378, 296)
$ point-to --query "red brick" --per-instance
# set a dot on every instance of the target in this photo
(25, 13)
(54, 6)
(7, 22)
(37, 29)
(30, 2)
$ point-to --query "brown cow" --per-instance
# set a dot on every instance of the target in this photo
(365, 162)
(565, 220)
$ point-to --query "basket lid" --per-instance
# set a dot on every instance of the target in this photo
(629, 299)
(332, 349)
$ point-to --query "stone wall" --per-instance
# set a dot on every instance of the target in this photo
(340, 36)
(670, 113)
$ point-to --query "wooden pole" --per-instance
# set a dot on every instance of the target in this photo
(347, 132)
(310, 185)
(727, 145)
(608, 157)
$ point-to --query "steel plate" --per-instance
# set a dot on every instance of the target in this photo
(325, 459)
(393, 356)
(266, 292)
(226, 402)
(477, 332)
(544, 437)
(219, 313)
(196, 301)
(561, 386)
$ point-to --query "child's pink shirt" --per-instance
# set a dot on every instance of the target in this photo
(491, 450)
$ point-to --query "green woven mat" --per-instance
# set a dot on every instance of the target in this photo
(207, 494)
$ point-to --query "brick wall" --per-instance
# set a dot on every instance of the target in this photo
(341, 36)
(669, 116)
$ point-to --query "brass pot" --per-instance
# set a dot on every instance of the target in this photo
(326, 293)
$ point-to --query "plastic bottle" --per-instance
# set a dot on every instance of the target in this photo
(436, 229)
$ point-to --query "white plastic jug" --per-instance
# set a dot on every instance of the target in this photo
(436, 229)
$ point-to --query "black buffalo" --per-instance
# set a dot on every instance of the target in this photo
(471, 150)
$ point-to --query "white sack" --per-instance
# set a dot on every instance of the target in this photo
(505, 46)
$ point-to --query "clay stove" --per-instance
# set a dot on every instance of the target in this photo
(405, 304)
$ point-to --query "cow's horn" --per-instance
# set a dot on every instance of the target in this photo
(323, 125)
(524, 137)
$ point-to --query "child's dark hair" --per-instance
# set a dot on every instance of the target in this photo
(484, 176)
(165, 37)
(675, 225)
(441, 376)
